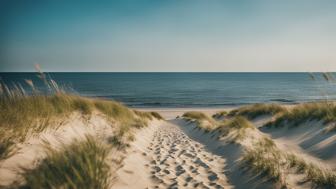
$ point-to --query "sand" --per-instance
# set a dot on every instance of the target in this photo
(32, 150)
(172, 153)
(171, 160)
(172, 113)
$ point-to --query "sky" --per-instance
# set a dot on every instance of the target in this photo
(168, 35)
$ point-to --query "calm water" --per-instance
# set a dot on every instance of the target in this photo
(190, 89)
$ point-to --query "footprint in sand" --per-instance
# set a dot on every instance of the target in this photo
(179, 162)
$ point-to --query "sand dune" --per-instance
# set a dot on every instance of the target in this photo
(177, 153)
(309, 138)
(32, 150)
(172, 160)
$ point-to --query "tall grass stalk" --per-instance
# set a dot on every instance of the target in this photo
(82, 164)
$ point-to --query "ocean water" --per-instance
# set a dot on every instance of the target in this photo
(190, 89)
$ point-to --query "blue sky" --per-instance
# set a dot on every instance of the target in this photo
(171, 35)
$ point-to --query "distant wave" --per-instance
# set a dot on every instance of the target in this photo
(282, 100)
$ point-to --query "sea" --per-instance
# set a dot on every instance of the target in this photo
(187, 89)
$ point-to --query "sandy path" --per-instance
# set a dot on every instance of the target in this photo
(173, 160)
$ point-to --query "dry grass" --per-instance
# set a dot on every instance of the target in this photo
(22, 116)
(156, 115)
(202, 120)
(237, 127)
(321, 177)
(220, 114)
(265, 160)
(81, 164)
(322, 111)
(256, 110)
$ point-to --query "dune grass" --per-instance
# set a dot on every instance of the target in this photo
(220, 114)
(322, 111)
(321, 177)
(156, 115)
(196, 115)
(22, 116)
(236, 127)
(202, 120)
(6, 147)
(36, 113)
(257, 110)
(239, 122)
(265, 160)
(82, 164)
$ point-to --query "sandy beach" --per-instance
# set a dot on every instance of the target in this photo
(172, 113)
(178, 155)
(167, 94)
(199, 152)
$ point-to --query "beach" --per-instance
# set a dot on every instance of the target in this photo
(52, 137)
(157, 94)
(222, 147)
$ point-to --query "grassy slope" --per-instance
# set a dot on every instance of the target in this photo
(236, 127)
(82, 164)
(323, 111)
(202, 120)
(256, 110)
(263, 157)
(27, 115)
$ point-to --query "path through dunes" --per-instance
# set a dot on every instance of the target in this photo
(172, 160)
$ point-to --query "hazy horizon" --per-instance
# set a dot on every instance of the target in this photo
(168, 36)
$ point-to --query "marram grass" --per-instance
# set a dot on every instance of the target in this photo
(220, 114)
(237, 126)
(265, 160)
(202, 120)
(80, 165)
(322, 111)
(22, 116)
(257, 110)
(321, 177)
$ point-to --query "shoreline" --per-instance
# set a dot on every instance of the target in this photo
(172, 113)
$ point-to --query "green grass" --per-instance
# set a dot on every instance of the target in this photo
(81, 164)
(220, 114)
(324, 178)
(302, 113)
(7, 147)
(265, 160)
(22, 116)
(239, 122)
(196, 115)
(257, 110)
(156, 115)
(237, 126)
(202, 120)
